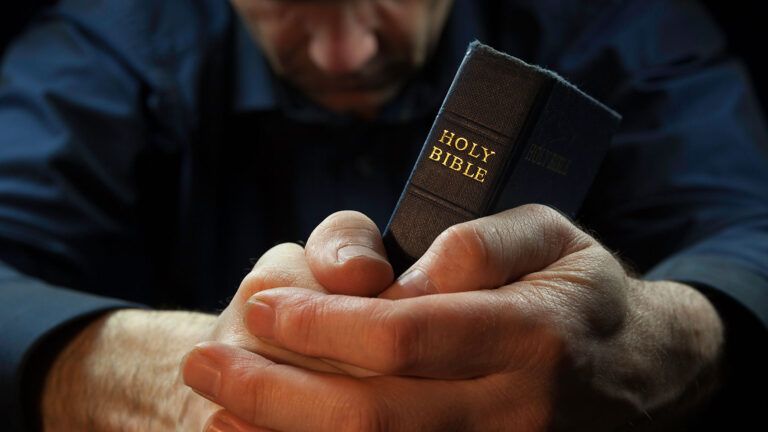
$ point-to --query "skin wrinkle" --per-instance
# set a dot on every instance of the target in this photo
(398, 332)
(468, 251)
(354, 240)
(301, 321)
(257, 387)
(269, 277)
(485, 260)
(423, 265)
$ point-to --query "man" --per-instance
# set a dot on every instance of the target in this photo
(149, 149)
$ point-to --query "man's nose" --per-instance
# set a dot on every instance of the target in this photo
(343, 39)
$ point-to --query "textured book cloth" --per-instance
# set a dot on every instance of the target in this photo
(508, 133)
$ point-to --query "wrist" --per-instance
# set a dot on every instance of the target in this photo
(120, 372)
(680, 337)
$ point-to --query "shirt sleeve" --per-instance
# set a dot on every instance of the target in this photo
(32, 318)
(73, 134)
(683, 192)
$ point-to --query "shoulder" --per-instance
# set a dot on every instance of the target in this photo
(656, 30)
(155, 39)
(164, 46)
(144, 27)
(599, 43)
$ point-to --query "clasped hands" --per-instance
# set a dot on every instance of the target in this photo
(517, 321)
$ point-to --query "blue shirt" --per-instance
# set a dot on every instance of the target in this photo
(148, 154)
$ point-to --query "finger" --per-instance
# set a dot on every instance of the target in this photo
(446, 336)
(280, 397)
(224, 421)
(282, 265)
(347, 256)
(490, 252)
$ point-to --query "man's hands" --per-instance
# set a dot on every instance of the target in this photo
(350, 259)
(121, 371)
(517, 321)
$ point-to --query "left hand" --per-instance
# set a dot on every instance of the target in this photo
(533, 325)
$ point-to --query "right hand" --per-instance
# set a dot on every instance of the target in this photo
(344, 254)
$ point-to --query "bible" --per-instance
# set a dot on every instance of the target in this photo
(508, 133)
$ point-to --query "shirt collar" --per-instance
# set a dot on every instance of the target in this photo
(258, 89)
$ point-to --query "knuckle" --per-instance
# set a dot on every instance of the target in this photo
(361, 413)
(300, 325)
(543, 214)
(556, 231)
(277, 252)
(397, 337)
(466, 243)
(266, 277)
(249, 393)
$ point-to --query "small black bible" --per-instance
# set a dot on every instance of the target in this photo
(508, 133)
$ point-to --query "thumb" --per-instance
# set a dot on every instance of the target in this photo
(346, 255)
(489, 252)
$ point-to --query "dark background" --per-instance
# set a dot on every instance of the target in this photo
(744, 25)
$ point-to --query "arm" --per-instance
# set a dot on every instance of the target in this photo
(35, 321)
(73, 130)
(120, 372)
(683, 194)
(112, 376)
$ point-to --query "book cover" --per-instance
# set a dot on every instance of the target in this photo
(508, 133)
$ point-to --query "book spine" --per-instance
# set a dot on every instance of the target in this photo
(492, 121)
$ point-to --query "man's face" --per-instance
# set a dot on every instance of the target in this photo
(347, 55)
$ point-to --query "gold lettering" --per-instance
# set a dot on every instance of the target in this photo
(457, 163)
(447, 156)
(466, 171)
(436, 153)
(460, 164)
(472, 151)
(480, 175)
(461, 140)
(548, 159)
(487, 153)
(559, 164)
(446, 136)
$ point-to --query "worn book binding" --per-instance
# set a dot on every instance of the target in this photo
(508, 133)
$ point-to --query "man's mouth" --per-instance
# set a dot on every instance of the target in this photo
(375, 78)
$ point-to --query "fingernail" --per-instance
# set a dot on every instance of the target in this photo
(202, 374)
(260, 318)
(353, 251)
(415, 283)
